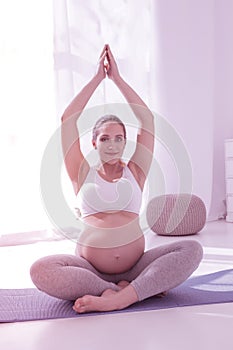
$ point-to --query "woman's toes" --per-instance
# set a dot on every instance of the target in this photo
(82, 304)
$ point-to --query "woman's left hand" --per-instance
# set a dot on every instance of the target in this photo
(111, 65)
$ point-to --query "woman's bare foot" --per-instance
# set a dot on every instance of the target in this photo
(109, 300)
(108, 292)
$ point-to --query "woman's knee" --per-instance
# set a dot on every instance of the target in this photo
(198, 251)
(45, 269)
(194, 251)
(48, 269)
(39, 272)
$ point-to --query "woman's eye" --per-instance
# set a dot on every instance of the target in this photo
(103, 139)
(119, 139)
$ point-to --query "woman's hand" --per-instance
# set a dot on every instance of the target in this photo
(111, 66)
(102, 65)
(107, 65)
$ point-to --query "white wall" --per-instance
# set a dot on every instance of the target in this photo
(223, 88)
(193, 80)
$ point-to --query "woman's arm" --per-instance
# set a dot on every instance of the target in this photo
(76, 165)
(141, 160)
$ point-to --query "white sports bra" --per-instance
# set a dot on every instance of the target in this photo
(98, 195)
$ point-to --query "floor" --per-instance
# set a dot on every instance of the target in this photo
(196, 327)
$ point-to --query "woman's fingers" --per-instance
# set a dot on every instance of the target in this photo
(111, 58)
(104, 62)
(102, 58)
(109, 53)
(112, 69)
(101, 70)
(107, 63)
(104, 50)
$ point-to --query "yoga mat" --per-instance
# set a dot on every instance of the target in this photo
(30, 304)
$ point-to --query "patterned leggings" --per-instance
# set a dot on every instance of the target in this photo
(158, 270)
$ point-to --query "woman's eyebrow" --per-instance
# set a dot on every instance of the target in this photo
(107, 135)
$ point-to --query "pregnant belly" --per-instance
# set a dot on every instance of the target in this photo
(113, 260)
(114, 250)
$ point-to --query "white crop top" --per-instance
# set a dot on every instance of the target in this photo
(98, 195)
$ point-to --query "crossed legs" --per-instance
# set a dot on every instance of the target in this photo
(158, 270)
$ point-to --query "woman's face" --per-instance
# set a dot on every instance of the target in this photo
(110, 142)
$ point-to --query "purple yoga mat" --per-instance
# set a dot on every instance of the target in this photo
(30, 304)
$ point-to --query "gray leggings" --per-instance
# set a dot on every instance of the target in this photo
(158, 270)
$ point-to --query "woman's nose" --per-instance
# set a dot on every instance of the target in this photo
(111, 143)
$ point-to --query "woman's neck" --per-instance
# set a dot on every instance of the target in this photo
(111, 171)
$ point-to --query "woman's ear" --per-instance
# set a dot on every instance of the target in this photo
(94, 144)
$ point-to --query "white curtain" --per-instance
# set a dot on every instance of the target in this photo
(27, 114)
(178, 56)
(81, 31)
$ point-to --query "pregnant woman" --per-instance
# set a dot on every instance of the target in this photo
(110, 269)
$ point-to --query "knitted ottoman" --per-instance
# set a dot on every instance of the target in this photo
(176, 214)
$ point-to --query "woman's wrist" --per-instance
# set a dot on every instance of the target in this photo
(117, 80)
(98, 78)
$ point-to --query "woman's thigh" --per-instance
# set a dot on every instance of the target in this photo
(190, 251)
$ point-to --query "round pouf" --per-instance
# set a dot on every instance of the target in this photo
(176, 214)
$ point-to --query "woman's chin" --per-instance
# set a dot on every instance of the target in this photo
(111, 161)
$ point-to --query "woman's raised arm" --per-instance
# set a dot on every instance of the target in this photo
(141, 160)
(76, 165)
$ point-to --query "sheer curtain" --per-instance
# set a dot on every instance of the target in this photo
(81, 31)
(178, 57)
(27, 114)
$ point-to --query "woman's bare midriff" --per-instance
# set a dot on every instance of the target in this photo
(111, 242)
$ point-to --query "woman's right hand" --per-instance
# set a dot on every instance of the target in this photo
(101, 68)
